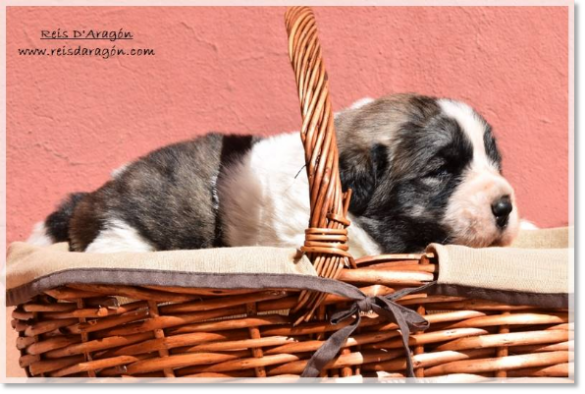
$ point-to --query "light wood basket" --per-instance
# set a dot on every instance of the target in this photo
(84, 331)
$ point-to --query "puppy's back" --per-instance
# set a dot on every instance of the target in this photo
(165, 200)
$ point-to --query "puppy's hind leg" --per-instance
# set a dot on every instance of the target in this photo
(55, 228)
(40, 236)
(119, 236)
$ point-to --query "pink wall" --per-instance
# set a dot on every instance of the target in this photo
(73, 119)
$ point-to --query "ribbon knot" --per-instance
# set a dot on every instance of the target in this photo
(406, 319)
(366, 304)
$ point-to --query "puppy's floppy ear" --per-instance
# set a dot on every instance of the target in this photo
(362, 171)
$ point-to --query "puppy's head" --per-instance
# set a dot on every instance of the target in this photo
(424, 170)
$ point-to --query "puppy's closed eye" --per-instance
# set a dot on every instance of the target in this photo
(442, 171)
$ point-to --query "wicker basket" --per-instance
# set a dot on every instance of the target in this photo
(81, 330)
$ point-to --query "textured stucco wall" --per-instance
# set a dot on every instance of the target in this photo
(73, 119)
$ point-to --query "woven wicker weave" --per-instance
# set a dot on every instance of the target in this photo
(83, 330)
(326, 237)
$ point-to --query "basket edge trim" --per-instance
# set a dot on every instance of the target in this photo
(137, 277)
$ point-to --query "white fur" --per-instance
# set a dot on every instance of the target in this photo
(119, 237)
(118, 171)
(361, 102)
(469, 213)
(267, 198)
(360, 243)
(526, 225)
(39, 236)
(214, 197)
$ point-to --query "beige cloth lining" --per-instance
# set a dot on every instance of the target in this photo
(26, 263)
(539, 262)
(548, 238)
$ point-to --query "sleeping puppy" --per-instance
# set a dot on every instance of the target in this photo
(422, 170)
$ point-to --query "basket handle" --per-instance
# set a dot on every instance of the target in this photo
(326, 236)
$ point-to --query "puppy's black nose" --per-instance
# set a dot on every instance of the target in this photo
(501, 209)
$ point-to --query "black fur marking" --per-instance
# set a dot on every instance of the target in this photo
(410, 198)
(490, 147)
(57, 223)
(234, 147)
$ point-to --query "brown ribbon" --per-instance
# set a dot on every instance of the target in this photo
(406, 319)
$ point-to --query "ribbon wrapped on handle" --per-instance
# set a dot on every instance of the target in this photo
(386, 307)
